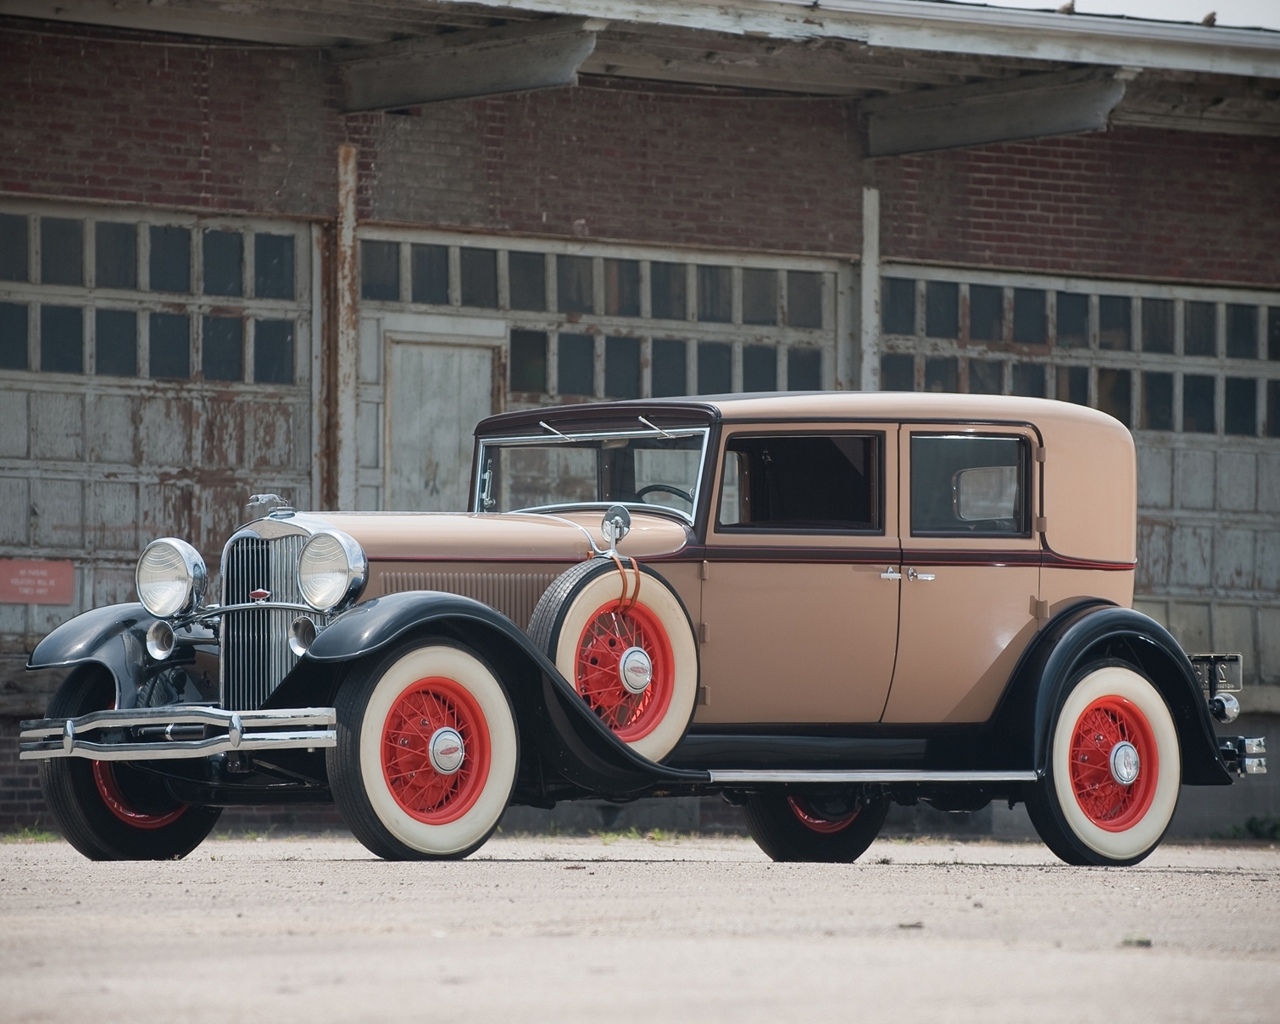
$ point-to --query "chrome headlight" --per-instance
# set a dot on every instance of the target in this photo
(331, 569)
(171, 577)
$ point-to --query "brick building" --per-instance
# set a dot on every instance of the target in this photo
(234, 250)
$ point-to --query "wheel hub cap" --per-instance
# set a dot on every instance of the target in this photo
(635, 668)
(1125, 763)
(446, 750)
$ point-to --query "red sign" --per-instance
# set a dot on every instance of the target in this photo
(32, 582)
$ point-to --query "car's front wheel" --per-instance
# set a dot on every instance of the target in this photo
(427, 752)
(798, 826)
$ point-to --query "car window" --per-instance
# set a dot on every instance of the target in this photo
(968, 486)
(801, 482)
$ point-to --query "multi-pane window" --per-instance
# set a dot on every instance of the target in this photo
(1190, 360)
(169, 299)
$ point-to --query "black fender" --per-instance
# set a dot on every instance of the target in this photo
(1096, 630)
(114, 636)
(551, 715)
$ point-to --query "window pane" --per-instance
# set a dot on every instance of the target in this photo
(804, 369)
(759, 368)
(1240, 408)
(1073, 384)
(223, 262)
(1114, 388)
(759, 296)
(223, 348)
(115, 343)
(974, 486)
(13, 247)
(1114, 330)
(941, 374)
(429, 275)
(1200, 330)
(1028, 380)
(115, 261)
(573, 284)
(1157, 400)
(897, 373)
(715, 295)
(1157, 327)
(667, 285)
(1242, 332)
(1273, 408)
(527, 277)
(1028, 317)
(273, 266)
(1273, 334)
(170, 259)
(898, 306)
(380, 271)
(805, 483)
(1198, 405)
(61, 251)
(804, 298)
(13, 336)
(529, 361)
(1073, 320)
(986, 377)
(479, 269)
(622, 367)
(170, 346)
(715, 368)
(941, 309)
(62, 339)
(622, 287)
(669, 367)
(273, 352)
(986, 313)
(576, 367)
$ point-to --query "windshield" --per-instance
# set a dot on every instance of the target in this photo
(650, 467)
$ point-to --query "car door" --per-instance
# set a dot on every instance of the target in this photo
(971, 568)
(799, 622)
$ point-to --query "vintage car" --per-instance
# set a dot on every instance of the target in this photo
(814, 605)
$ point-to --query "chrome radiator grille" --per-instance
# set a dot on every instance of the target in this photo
(255, 643)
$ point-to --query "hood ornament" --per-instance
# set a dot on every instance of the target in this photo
(266, 504)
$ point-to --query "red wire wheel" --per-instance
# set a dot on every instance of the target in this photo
(816, 822)
(1106, 801)
(422, 791)
(616, 628)
(104, 777)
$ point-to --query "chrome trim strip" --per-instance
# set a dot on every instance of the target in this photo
(169, 750)
(750, 777)
(179, 714)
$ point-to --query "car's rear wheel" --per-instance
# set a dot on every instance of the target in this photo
(1114, 770)
(112, 810)
(792, 825)
(624, 640)
(427, 752)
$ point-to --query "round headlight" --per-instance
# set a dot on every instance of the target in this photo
(331, 568)
(171, 577)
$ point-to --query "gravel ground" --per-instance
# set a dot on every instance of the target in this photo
(616, 928)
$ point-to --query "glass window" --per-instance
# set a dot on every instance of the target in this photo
(759, 368)
(479, 269)
(13, 336)
(669, 367)
(715, 295)
(804, 369)
(1114, 391)
(622, 287)
(1114, 329)
(1240, 406)
(170, 259)
(1157, 326)
(986, 313)
(1072, 320)
(1028, 380)
(941, 309)
(1198, 405)
(1273, 334)
(1073, 384)
(529, 361)
(273, 352)
(62, 339)
(273, 266)
(573, 284)
(1028, 316)
(528, 276)
(667, 286)
(898, 306)
(1157, 400)
(223, 348)
(986, 377)
(804, 298)
(380, 271)
(61, 251)
(1273, 408)
(115, 343)
(429, 276)
(897, 373)
(621, 367)
(13, 247)
(759, 296)
(715, 368)
(576, 364)
(115, 255)
(223, 262)
(968, 486)
(1200, 330)
(1242, 332)
(170, 345)
(942, 373)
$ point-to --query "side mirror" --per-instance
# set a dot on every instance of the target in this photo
(615, 525)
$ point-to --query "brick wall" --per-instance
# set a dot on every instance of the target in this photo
(21, 804)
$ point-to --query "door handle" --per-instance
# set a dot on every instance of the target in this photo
(926, 576)
(891, 574)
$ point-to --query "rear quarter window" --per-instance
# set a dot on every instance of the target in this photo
(969, 486)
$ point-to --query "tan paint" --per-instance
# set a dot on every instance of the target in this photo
(1062, 588)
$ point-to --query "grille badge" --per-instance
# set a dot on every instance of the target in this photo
(259, 595)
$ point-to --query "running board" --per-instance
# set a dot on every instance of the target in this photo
(734, 777)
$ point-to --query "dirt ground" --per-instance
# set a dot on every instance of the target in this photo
(622, 929)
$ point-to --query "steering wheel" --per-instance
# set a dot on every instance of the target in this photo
(666, 488)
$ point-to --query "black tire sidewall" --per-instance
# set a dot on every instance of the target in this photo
(784, 837)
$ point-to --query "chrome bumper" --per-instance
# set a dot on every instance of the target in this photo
(177, 731)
